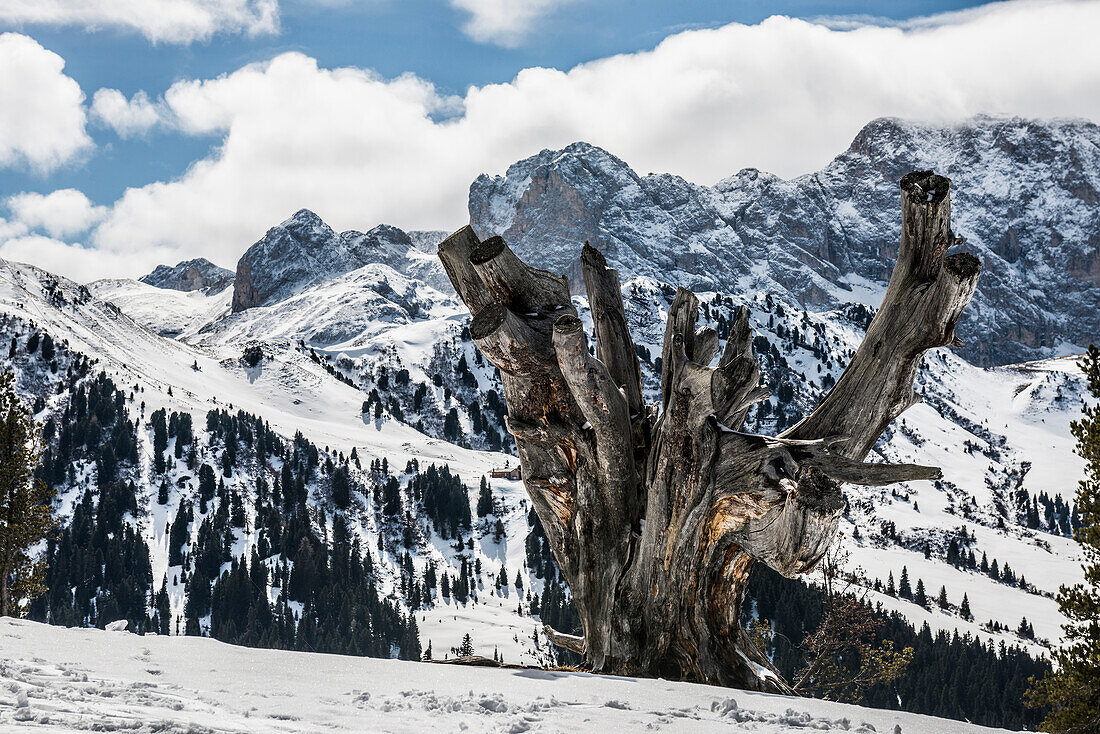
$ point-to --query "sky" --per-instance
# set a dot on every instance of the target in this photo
(139, 132)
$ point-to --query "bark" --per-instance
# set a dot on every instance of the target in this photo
(657, 514)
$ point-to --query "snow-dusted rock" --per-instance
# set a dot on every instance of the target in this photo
(1025, 199)
(304, 250)
(191, 275)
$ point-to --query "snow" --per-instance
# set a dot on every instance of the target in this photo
(63, 680)
(1016, 415)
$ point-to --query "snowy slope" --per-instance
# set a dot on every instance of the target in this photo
(992, 430)
(292, 393)
(54, 679)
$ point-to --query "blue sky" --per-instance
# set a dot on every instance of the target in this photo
(214, 98)
(424, 37)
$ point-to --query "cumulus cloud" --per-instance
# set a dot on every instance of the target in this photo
(42, 120)
(784, 95)
(503, 22)
(169, 21)
(63, 213)
(76, 261)
(10, 230)
(127, 117)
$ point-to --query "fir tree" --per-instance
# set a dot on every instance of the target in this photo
(920, 597)
(484, 499)
(964, 608)
(1073, 691)
(904, 590)
(26, 515)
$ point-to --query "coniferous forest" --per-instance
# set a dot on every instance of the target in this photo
(309, 583)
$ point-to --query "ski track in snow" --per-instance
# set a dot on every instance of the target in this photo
(54, 679)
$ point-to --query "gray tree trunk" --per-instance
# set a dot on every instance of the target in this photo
(657, 514)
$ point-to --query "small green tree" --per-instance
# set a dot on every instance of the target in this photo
(1073, 691)
(25, 511)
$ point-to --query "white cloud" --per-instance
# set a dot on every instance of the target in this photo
(127, 117)
(10, 230)
(42, 121)
(784, 95)
(75, 261)
(170, 21)
(503, 22)
(63, 213)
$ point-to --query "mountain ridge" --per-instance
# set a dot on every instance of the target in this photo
(198, 274)
(1024, 196)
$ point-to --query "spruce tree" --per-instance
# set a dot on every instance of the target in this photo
(1073, 692)
(904, 590)
(484, 499)
(26, 515)
(964, 608)
(920, 597)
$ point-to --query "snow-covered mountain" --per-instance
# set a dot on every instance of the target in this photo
(190, 275)
(1025, 198)
(295, 394)
(304, 251)
(327, 347)
(354, 345)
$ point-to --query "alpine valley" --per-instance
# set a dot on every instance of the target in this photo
(299, 453)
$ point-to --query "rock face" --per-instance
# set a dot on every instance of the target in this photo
(190, 275)
(1025, 198)
(304, 250)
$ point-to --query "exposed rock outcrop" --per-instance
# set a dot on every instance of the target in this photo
(190, 275)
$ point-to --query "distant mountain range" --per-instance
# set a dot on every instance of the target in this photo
(1025, 197)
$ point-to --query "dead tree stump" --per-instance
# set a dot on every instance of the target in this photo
(657, 514)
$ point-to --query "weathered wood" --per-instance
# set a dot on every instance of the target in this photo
(927, 293)
(657, 514)
(614, 347)
(561, 639)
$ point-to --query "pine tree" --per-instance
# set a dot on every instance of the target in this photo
(25, 511)
(920, 597)
(1073, 691)
(467, 646)
(484, 499)
(941, 600)
(964, 608)
(904, 590)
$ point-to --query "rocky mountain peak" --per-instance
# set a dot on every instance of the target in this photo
(190, 275)
(291, 255)
(304, 250)
(1024, 197)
